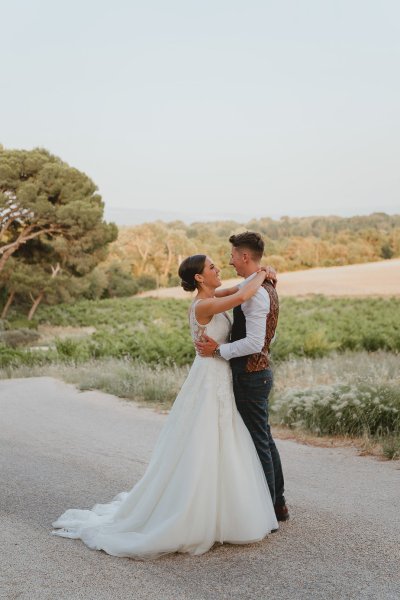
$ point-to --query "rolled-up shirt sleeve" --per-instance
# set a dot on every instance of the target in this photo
(255, 311)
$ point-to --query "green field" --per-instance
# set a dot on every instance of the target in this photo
(156, 331)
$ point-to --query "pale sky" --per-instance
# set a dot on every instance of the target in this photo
(223, 107)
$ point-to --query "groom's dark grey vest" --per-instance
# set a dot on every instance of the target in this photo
(260, 360)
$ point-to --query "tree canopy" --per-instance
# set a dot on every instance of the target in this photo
(51, 225)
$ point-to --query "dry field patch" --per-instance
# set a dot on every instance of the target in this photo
(367, 279)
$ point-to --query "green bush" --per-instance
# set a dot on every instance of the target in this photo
(11, 357)
(18, 337)
(119, 282)
(316, 343)
(72, 350)
(21, 322)
(146, 282)
(391, 447)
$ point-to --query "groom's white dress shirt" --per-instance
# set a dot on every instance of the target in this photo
(255, 311)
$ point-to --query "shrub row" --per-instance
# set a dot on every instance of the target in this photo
(156, 331)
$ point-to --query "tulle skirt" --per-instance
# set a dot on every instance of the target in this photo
(204, 483)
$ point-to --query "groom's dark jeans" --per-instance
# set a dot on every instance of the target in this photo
(251, 394)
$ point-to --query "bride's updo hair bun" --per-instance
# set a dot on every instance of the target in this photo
(191, 266)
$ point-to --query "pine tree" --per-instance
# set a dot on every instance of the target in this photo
(42, 198)
(51, 225)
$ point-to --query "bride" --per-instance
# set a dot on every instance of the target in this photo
(204, 483)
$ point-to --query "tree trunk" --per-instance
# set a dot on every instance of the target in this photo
(35, 304)
(168, 264)
(8, 304)
(8, 249)
(143, 255)
(4, 258)
(54, 272)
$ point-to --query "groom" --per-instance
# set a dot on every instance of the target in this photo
(254, 324)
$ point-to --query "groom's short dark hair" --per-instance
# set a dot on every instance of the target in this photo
(251, 241)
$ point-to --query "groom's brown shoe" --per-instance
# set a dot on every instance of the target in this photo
(282, 512)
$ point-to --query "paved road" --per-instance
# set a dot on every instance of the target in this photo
(60, 448)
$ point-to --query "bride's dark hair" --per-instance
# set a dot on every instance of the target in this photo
(191, 266)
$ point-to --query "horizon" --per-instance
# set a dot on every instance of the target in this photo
(142, 216)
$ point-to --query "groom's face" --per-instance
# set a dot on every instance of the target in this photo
(237, 260)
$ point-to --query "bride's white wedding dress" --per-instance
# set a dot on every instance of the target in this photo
(204, 483)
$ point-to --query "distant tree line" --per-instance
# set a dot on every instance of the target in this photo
(152, 252)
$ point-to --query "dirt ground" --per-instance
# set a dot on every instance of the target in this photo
(369, 279)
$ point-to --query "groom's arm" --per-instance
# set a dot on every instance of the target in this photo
(255, 311)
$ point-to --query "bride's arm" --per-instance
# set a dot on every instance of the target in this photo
(270, 274)
(212, 306)
(226, 291)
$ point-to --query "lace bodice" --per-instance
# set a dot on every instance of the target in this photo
(218, 328)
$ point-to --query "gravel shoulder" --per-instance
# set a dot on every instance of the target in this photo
(61, 448)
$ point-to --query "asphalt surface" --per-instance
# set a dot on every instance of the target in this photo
(60, 449)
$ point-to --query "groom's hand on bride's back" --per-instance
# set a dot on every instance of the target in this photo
(206, 347)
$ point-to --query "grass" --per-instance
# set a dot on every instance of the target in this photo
(352, 394)
(155, 385)
(317, 326)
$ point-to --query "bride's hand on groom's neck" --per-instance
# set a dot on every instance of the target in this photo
(270, 274)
